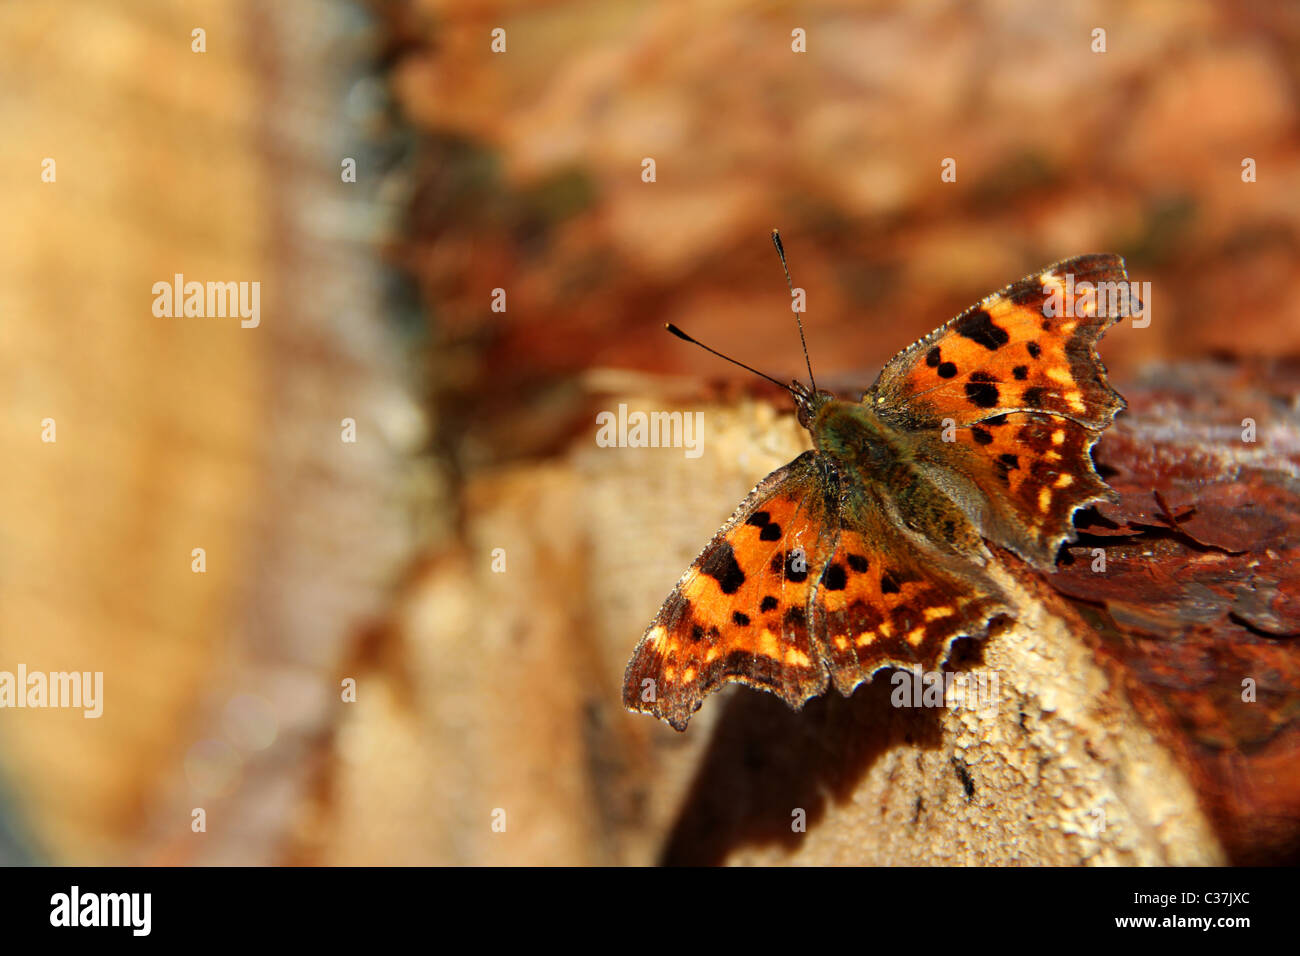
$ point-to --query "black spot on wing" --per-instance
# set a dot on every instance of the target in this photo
(932, 357)
(857, 563)
(978, 327)
(720, 564)
(768, 603)
(1004, 463)
(784, 562)
(740, 619)
(947, 370)
(835, 578)
(983, 394)
(770, 532)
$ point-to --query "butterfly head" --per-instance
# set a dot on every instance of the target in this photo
(808, 402)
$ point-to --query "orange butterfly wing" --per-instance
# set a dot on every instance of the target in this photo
(886, 601)
(1035, 472)
(1007, 354)
(785, 597)
(740, 611)
(1018, 380)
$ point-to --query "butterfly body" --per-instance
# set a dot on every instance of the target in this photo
(854, 437)
(869, 551)
(868, 455)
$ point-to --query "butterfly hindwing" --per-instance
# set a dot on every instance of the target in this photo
(1034, 472)
(889, 600)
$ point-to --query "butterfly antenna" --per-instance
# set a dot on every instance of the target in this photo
(780, 251)
(726, 358)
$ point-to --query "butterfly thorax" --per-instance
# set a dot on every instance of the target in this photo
(854, 437)
(891, 468)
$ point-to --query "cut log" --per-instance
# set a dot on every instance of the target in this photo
(1144, 713)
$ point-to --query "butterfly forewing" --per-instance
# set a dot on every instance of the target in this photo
(740, 611)
(1009, 354)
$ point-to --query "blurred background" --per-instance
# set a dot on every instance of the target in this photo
(520, 168)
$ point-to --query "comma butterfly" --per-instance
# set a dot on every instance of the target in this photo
(868, 552)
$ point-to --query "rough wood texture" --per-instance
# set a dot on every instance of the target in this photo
(1119, 735)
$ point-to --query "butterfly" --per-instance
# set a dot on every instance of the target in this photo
(869, 552)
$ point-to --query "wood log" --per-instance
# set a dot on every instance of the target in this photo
(1146, 714)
